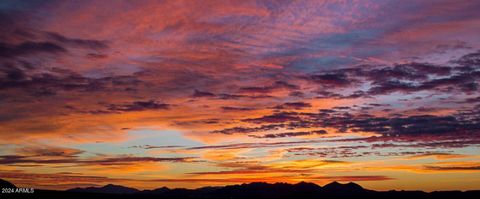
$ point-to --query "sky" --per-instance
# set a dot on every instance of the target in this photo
(149, 93)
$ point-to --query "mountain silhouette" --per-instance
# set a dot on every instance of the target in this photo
(348, 188)
(255, 190)
(306, 187)
(6, 184)
(156, 191)
(107, 189)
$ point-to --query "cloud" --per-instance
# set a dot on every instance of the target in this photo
(84, 43)
(454, 168)
(352, 178)
(156, 147)
(28, 48)
(293, 105)
(248, 171)
(53, 80)
(410, 71)
(138, 106)
(406, 78)
(330, 152)
(132, 159)
(291, 134)
(296, 166)
(387, 126)
(275, 118)
(411, 151)
(49, 151)
(358, 147)
(393, 82)
(277, 85)
(230, 108)
(251, 145)
(469, 60)
(62, 180)
(120, 160)
(198, 93)
(440, 156)
(331, 79)
(245, 130)
(239, 64)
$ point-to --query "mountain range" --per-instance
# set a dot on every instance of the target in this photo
(302, 190)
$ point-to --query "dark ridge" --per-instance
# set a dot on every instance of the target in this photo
(6, 184)
(349, 187)
(307, 186)
(157, 191)
(255, 190)
(107, 189)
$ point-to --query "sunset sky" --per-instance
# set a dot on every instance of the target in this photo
(148, 94)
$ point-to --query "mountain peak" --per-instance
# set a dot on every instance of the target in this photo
(303, 182)
(334, 183)
(307, 184)
(113, 186)
(352, 184)
(349, 187)
(159, 190)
